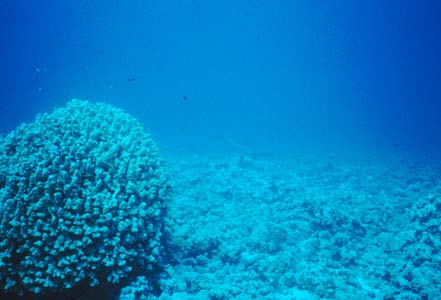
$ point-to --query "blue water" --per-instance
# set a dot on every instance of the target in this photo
(285, 74)
(250, 80)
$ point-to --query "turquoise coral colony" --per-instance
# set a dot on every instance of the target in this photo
(83, 194)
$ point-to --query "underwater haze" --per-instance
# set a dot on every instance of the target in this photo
(297, 75)
(301, 139)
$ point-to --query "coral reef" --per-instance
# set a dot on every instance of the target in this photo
(303, 227)
(83, 194)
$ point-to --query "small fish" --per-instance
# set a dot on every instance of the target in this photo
(243, 147)
(185, 98)
(130, 79)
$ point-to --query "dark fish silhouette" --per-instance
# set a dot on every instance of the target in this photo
(130, 79)
(185, 98)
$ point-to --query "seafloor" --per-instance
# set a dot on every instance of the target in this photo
(299, 227)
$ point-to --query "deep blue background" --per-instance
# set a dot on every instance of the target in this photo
(292, 75)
